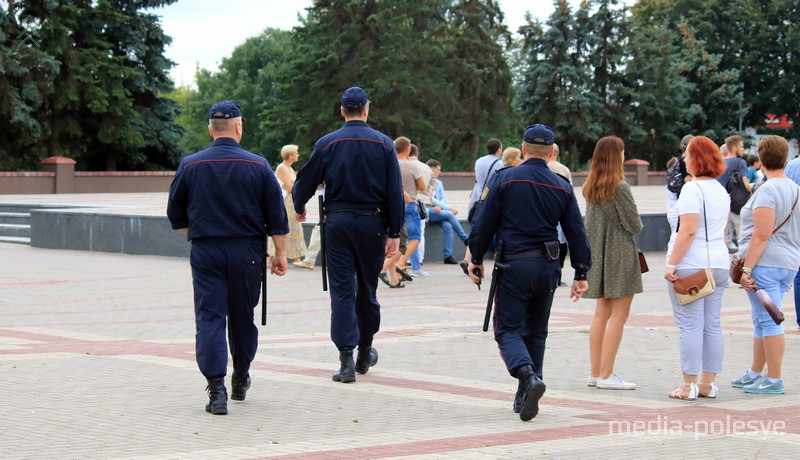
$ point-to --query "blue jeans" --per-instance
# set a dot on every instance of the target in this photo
(414, 229)
(449, 222)
(797, 297)
(776, 282)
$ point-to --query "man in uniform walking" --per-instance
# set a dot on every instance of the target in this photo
(363, 197)
(523, 206)
(224, 199)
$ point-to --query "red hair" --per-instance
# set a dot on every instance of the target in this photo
(705, 158)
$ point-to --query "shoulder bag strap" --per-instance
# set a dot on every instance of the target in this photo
(797, 195)
(489, 174)
(705, 224)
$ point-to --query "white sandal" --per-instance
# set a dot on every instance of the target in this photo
(712, 392)
(691, 396)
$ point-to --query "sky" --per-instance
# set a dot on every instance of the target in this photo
(205, 31)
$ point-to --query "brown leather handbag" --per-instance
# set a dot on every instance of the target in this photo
(695, 286)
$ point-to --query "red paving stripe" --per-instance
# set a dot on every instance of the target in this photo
(456, 444)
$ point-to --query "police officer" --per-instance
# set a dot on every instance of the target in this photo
(224, 198)
(522, 206)
(363, 197)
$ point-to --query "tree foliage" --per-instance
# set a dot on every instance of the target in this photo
(90, 88)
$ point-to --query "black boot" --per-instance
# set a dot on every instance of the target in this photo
(518, 398)
(239, 386)
(367, 357)
(532, 390)
(217, 397)
(347, 369)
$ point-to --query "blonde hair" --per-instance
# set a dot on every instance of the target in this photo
(288, 150)
(607, 170)
(511, 155)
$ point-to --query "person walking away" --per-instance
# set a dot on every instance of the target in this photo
(225, 199)
(363, 198)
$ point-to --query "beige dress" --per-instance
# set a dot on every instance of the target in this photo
(295, 240)
(611, 225)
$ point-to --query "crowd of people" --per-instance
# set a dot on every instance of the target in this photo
(378, 196)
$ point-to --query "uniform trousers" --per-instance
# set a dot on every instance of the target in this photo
(355, 247)
(226, 275)
(522, 310)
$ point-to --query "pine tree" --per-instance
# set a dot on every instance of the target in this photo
(105, 107)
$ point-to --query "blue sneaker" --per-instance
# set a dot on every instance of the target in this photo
(765, 387)
(744, 380)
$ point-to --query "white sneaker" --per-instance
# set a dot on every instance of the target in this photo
(592, 381)
(419, 272)
(615, 382)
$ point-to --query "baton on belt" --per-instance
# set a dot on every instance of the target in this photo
(322, 243)
(498, 266)
(264, 281)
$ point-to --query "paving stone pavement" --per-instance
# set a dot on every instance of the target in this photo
(97, 352)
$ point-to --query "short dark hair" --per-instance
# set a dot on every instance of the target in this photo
(752, 159)
(493, 145)
(414, 151)
(354, 111)
(433, 163)
(773, 151)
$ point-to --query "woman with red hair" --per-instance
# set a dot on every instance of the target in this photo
(698, 222)
(612, 222)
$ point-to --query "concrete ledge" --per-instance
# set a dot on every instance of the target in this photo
(89, 229)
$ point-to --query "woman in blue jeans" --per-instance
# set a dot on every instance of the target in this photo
(770, 247)
(442, 214)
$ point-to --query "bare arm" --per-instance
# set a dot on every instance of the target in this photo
(763, 223)
(683, 241)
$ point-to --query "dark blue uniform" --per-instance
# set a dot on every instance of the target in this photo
(523, 206)
(227, 197)
(363, 196)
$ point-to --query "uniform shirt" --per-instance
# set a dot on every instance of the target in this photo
(225, 191)
(359, 168)
(523, 206)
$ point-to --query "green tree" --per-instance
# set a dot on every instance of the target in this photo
(434, 70)
(26, 74)
(105, 106)
(249, 76)
(557, 88)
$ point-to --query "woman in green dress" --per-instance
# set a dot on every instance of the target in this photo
(612, 222)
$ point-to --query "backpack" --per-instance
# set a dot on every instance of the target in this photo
(737, 190)
(674, 177)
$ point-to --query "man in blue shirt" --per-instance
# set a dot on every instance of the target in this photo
(224, 199)
(523, 206)
(363, 197)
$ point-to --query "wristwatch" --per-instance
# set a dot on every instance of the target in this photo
(747, 270)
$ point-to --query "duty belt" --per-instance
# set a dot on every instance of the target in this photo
(532, 254)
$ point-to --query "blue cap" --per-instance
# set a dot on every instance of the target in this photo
(539, 134)
(225, 110)
(354, 98)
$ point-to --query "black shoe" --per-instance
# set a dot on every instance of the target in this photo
(367, 357)
(385, 278)
(347, 368)
(464, 266)
(533, 389)
(217, 397)
(449, 260)
(518, 398)
(403, 274)
(239, 386)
